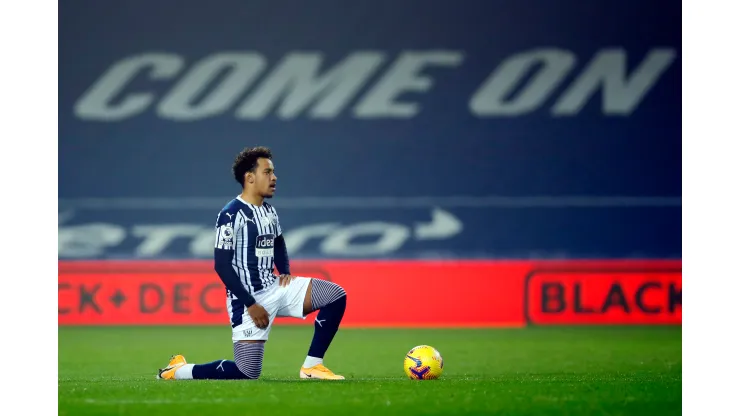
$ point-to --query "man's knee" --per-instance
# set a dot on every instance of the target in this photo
(248, 356)
(324, 292)
(252, 374)
(341, 291)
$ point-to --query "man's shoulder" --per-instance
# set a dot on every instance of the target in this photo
(232, 210)
(236, 206)
(232, 206)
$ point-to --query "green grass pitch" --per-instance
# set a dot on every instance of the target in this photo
(536, 371)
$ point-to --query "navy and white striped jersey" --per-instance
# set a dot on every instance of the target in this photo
(250, 232)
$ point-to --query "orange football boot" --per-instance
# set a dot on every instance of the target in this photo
(168, 373)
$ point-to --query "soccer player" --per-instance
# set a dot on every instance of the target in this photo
(249, 242)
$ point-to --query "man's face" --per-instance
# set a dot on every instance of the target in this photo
(264, 178)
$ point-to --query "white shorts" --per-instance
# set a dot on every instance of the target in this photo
(277, 301)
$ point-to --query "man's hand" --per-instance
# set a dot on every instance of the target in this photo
(285, 279)
(259, 315)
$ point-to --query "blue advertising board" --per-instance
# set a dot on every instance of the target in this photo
(400, 129)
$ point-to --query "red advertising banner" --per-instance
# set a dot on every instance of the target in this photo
(438, 294)
(387, 293)
(603, 296)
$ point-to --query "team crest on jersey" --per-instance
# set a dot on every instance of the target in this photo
(225, 239)
(270, 218)
(265, 245)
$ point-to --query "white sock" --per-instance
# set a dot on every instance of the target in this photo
(312, 361)
(185, 372)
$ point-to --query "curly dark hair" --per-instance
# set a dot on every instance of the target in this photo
(246, 161)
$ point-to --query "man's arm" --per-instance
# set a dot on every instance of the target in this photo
(222, 260)
(281, 256)
(223, 255)
(281, 251)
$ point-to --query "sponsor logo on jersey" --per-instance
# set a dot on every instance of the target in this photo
(265, 245)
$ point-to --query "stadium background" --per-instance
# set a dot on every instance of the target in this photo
(530, 149)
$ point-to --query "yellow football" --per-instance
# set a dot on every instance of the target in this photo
(423, 363)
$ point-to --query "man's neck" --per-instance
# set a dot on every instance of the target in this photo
(252, 199)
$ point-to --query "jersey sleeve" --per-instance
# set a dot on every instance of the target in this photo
(228, 224)
(277, 223)
(282, 261)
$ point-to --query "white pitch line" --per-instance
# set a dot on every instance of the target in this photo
(162, 401)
